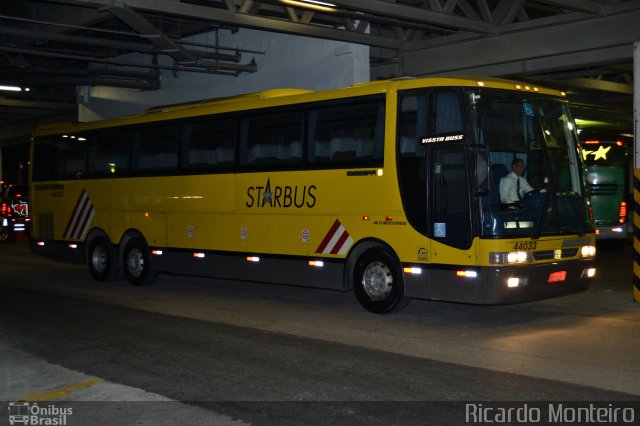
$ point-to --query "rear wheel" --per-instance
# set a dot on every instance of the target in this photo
(101, 260)
(378, 283)
(137, 263)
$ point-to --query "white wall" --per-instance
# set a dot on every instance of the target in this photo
(290, 61)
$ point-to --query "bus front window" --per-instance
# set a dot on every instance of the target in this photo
(534, 138)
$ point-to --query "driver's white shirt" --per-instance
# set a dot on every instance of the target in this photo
(508, 188)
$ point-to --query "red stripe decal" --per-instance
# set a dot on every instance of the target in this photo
(328, 237)
(340, 242)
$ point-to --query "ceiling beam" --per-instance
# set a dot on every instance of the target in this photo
(588, 6)
(414, 14)
(194, 11)
(598, 85)
(571, 45)
(154, 35)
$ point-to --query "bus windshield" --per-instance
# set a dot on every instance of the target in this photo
(537, 136)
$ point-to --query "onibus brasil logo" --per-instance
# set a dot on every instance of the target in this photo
(27, 413)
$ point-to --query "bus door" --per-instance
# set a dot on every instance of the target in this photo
(449, 219)
(450, 213)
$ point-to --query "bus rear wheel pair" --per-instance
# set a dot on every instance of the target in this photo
(135, 265)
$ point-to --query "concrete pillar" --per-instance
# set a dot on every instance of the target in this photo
(636, 165)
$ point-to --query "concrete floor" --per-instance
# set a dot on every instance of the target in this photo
(56, 346)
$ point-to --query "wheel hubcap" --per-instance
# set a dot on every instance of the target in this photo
(377, 281)
(135, 262)
(99, 259)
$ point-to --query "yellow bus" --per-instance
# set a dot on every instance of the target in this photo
(388, 188)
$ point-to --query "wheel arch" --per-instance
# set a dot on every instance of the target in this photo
(127, 236)
(357, 250)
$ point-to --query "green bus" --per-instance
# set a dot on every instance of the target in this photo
(607, 168)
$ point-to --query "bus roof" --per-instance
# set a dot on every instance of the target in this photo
(276, 97)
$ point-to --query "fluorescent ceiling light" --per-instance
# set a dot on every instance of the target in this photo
(320, 3)
(11, 88)
(311, 4)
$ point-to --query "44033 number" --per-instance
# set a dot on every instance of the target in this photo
(525, 245)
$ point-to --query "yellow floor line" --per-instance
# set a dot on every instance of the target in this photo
(56, 393)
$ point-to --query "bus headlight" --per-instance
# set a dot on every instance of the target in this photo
(500, 258)
(588, 251)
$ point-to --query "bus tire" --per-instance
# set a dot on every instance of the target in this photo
(102, 261)
(136, 261)
(378, 282)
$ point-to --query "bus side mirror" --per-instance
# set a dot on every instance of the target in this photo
(482, 170)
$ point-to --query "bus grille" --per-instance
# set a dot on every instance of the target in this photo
(550, 254)
(603, 189)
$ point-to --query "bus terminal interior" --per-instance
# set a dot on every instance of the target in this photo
(219, 351)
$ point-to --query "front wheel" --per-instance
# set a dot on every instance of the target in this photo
(378, 283)
(137, 263)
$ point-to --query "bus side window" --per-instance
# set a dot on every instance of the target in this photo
(448, 114)
(274, 138)
(412, 171)
(75, 157)
(109, 152)
(347, 133)
(159, 147)
(210, 143)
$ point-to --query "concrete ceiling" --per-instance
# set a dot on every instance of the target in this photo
(584, 47)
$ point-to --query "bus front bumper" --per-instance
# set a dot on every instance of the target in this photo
(500, 285)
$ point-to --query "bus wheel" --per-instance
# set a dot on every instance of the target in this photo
(102, 265)
(377, 282)
(137, 263)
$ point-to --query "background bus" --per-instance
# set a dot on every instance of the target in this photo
(607, 164)
(386, 188)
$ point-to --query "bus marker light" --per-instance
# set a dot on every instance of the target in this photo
(40, 243)
(317, 263)
(388, 218)
(467, 274)
(253, 259)
(365, 218)
(413, 270)
(156, 252)
(589, 273)
(558, 276)
(72, 246)
(480, 83)
(199, 255)
(380, 172)
(146, 215)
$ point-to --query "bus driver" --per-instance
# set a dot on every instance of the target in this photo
(513, 187)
